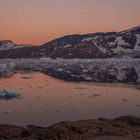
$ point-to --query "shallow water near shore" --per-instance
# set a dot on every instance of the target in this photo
(47, 100)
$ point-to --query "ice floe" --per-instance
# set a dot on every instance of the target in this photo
(96, 70)
(8, 94)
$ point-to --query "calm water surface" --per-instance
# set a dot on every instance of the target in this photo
(48, 100)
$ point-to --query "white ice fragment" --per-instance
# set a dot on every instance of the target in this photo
(67, 46)
(7, 111)
(96, 94)
(125, 99)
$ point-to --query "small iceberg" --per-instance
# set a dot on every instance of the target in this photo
(27, 77)
(7, 112)
(96, 94)
(8, 94)
(125, 99)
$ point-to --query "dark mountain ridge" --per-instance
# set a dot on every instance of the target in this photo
(124, 44)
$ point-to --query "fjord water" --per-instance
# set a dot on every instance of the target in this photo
(47, 100)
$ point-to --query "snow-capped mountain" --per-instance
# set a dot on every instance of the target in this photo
(97, 45)
(8, 44)
(124, 44)
(8, 49)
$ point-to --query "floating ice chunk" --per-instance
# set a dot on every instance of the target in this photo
(7, 94)
(7, 112)
(96, 94)
(27, 77)
(125, 99)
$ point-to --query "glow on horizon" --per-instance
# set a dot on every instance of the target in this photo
(39, 21)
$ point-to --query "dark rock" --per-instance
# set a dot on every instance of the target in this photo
(79, 130)
(25, 133)
(9, 131)
(129, 119)
(131, 75)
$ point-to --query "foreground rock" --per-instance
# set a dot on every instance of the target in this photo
(127, 126)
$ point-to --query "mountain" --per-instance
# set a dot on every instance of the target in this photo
(8, 44)
(8, 49)
(97, 45)
(124, 44)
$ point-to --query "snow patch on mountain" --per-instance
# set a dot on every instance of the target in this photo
(120, 41)
(67, 46)
(7, 45)
(88, 39)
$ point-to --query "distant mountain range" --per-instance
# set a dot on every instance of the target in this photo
(125, 44)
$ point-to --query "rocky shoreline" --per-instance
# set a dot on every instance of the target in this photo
(78, 130)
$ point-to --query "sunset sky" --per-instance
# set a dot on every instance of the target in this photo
(39, 21)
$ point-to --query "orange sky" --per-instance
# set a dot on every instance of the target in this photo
(38, 21)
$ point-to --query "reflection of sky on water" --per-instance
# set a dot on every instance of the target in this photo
(48, 100)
